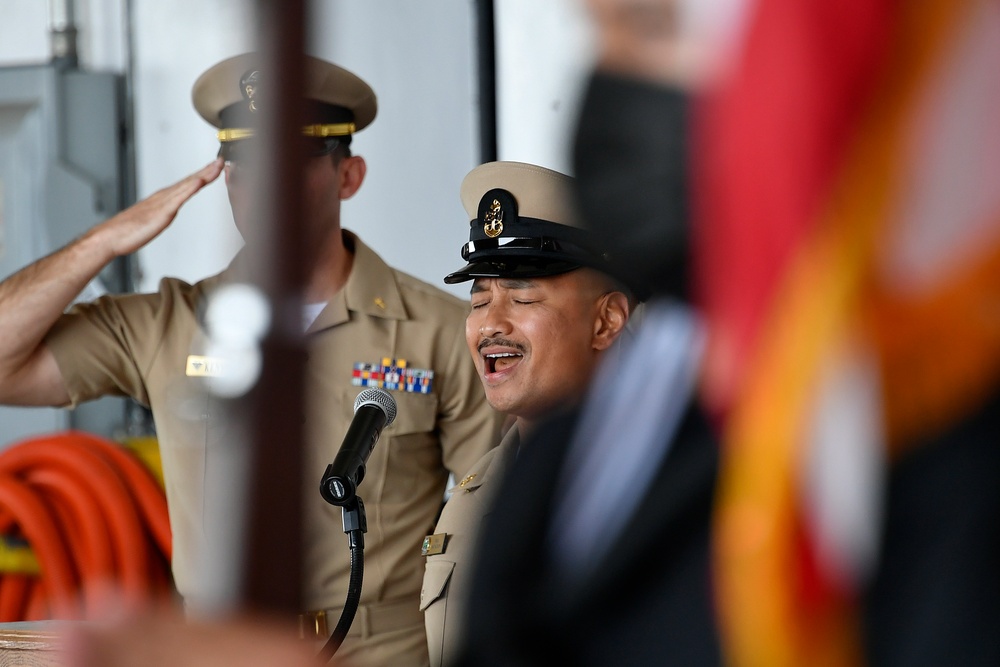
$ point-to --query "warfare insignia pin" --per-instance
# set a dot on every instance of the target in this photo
(248, 88)
(493, 220)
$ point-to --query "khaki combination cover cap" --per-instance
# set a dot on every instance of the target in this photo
(523, 224)
(541, 193)
(219, 87)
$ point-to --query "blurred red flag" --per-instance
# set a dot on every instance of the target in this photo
(847, 259)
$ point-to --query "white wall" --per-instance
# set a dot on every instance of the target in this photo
(23, 32)
(543, 50)
(420, 58)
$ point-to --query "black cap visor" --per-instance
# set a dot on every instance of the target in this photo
(511, 267)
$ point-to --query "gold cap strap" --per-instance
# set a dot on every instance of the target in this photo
(331, 130)
(234, 134)
(318, 131)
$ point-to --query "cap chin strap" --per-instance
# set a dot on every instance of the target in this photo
(316, 131)
(544, 244)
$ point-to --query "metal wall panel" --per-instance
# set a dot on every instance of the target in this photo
(60, 173)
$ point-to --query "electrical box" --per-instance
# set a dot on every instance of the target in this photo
(62, 157)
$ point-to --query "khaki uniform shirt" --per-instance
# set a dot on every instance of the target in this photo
(138, 345)
(448, 574)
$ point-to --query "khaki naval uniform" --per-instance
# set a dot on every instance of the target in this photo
(138, 346)
(448, 573)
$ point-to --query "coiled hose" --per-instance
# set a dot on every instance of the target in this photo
(93, 520)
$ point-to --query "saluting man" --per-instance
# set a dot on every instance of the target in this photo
(545, 310)
(366, 324)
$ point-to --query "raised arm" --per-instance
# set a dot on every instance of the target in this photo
(32, 299)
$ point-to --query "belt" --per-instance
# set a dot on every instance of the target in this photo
(370, 619)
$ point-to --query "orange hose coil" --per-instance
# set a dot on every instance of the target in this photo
(96, 519)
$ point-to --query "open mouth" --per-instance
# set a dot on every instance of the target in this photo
(501, 361)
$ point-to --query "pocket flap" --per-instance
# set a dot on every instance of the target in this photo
(415, 413)
(437, 574)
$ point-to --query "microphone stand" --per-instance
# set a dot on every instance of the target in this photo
(338, 486)
(355, 526)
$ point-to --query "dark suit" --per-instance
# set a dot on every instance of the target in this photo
(649, 602)
(935, 596)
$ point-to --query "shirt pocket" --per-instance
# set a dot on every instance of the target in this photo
(414, 447)
(437, 574)
(415, 413)
(403, 464)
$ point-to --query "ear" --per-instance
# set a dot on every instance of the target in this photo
(352, 174)
(612, 315)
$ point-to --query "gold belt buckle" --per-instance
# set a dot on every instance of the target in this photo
(312, 625)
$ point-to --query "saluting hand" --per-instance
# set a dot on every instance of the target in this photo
(139, 224)
(32, 299)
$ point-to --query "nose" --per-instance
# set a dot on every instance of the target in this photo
(494, 320)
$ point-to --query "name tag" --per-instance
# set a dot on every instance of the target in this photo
(433, 544)
(199, 366)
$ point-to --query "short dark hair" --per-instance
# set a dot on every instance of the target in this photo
(341, 151)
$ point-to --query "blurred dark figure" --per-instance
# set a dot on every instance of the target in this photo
(598, 550)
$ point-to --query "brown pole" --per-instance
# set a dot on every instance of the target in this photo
(272, 550)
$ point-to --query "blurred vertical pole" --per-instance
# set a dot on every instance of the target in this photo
(486, 57)
(272, 551)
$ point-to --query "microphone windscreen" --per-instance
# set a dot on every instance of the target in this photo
(379, 398)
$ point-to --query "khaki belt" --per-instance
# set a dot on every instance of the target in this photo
(370, 619)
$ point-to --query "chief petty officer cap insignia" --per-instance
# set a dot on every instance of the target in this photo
(523, 225)
(230, 94)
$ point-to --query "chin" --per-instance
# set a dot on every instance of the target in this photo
(501, 403)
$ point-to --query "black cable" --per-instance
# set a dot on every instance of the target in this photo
(355, 525)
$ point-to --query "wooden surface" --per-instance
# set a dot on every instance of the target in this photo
(32, 644)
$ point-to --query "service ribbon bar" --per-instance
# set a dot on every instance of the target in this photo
(393, 375)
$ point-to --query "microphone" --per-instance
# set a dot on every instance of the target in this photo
(374, 409)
